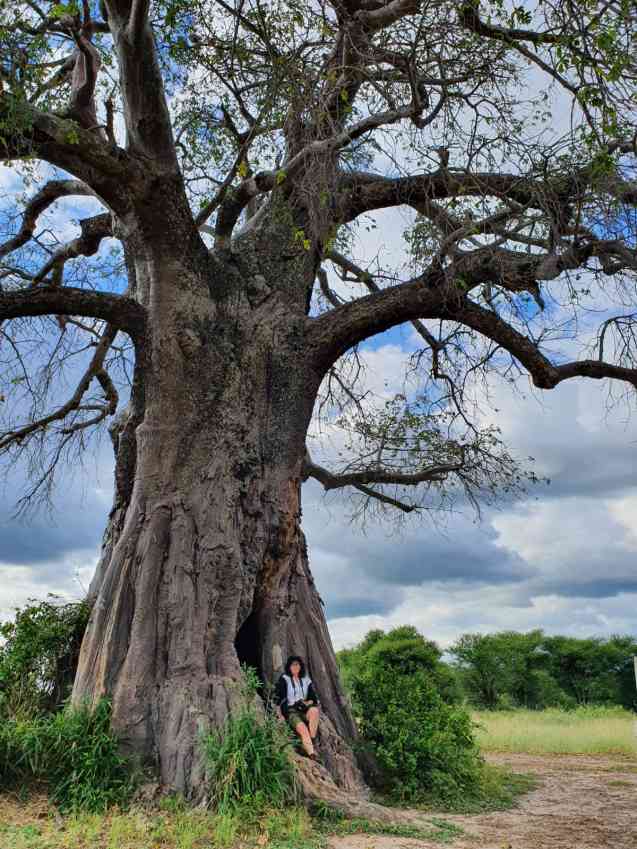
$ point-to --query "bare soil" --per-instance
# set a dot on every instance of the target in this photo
(581, 802)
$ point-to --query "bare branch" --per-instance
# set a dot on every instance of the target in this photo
(95, 370)
(48, 194)
(544, 373)
(436, 472)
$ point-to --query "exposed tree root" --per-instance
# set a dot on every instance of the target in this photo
(317, 785)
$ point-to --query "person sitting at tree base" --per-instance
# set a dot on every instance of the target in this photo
(297, 704)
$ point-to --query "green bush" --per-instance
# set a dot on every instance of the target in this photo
(38, 657)
(424, 747)
(406, 649)
(73, 752)
(248, 759)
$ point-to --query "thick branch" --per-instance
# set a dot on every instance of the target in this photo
(110, 172)
(84, 76)
(370, 284)
(333, 333)
(120, 311)
(361, 192)
(387, 14)
(93, 230)
(544, 373)
(436, 295)
(470, 18)
(138, 19)
(148, 123)
(237, 199)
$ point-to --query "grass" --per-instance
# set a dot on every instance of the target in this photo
(29, 826)
(438, 831)
(34, 824)
(73, 752)
(593, 731)
(499, 790)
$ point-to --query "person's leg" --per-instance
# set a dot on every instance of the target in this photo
(313, 720)
(302, 730)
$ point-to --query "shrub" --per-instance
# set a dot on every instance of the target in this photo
(248, 758)
(39, 655)
(405, 649)
(73, 752)
(424, 746)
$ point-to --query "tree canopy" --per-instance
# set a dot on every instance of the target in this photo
(506, 133)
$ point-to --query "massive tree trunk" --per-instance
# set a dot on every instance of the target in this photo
(204, 564)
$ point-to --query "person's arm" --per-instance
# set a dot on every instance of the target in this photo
(312, 698)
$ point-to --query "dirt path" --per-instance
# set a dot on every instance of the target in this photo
(581, 802)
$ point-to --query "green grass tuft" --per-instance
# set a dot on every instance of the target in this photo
(437, 830)
(74, 753)
(248, 759)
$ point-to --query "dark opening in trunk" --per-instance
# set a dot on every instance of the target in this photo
(247, 645)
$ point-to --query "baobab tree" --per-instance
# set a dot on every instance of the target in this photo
(231, 149)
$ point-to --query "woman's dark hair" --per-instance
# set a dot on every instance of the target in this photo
(289, 663)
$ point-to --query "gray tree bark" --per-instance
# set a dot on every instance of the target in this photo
(204, 564)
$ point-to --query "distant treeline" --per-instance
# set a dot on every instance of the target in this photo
(509, 669)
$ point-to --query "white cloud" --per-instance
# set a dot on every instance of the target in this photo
(68, 578)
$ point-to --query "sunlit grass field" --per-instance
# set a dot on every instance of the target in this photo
(594, 730)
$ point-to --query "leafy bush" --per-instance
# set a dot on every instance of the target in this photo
(406, 649)
(248, 759)
(39, 655)
(424, 746)
(73, 752)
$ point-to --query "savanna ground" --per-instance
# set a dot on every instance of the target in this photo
(581, 768)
